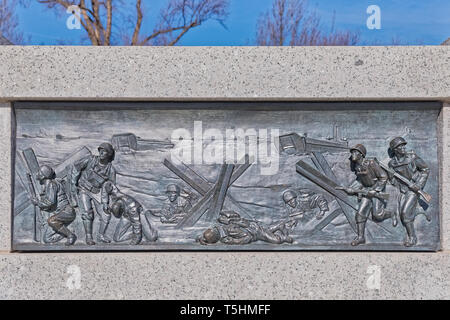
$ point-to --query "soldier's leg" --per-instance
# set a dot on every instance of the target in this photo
(105, 218)
(150, 233)
(361, 217)
(50, 235)
(123, 231)
(379, 212)
(87, 215)
(407, 215)
(265, 234)
(136, 228)
(60, 221)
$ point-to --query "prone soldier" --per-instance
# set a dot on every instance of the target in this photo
(53, 201)
(233, 229)
(416, 171)
(87, 179)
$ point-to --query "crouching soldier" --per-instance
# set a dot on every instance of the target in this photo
(54, 202)
(131, 226)
(301, 203)
(369, 185)
(175, 207)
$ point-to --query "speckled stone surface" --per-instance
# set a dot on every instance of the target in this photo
(244, 73)
(445, 176)
(174, 73)
(262, 275)
(5, 176)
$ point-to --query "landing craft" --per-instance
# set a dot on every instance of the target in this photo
(295, 144)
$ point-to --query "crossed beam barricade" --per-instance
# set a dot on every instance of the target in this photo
(213, 195)
(325, 178)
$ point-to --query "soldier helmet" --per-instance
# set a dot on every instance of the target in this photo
(398, 141)
(173, 188)
(47, 172)
(118, 208)
(289, 195)
(359, 147)
(211, 235)
(109, 148)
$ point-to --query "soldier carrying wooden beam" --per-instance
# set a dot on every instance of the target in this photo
(53, 200)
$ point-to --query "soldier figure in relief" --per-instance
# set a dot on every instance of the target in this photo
(133, 224)
(413, 168)
(53, 201)
(233, 229)
(87, 179)
(302, 203)
(175, 207)
(369, 185)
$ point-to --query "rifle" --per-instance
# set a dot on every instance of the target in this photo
(37, 218)
(365, 193)
(425, 196)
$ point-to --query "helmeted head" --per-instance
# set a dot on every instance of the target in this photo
(106, 152)
(173, 192)
(45, 172)
(398, 146)
(211, 235)
(109, 187)
(358, 152)
(290, 198)
(118, 208)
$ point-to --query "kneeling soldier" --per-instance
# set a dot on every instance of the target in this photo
(129, 211)
(54, 201)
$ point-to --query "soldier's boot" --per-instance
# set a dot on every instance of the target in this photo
(102, 230)
(412, 238)
(71, 237)
(426, 214)
(360, 239)
(287, 238)
(137, 235)
(88, 229)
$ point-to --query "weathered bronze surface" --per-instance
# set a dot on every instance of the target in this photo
(226, 176)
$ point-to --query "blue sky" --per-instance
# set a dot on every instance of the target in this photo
(407, 21)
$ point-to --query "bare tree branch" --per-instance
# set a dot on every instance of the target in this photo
(137, 28)
(9, 22)
(182, 16)
(290, 23)
(175, 19)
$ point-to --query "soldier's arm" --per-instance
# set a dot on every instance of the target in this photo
(112, 175)
(424, 172)
(50, 197)
(391, 177)
(318, 201)
(187, 206)
(104, 196)
(382, 176)
(356, 185)
(77, 167)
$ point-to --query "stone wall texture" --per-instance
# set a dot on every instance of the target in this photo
(218, 73)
